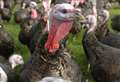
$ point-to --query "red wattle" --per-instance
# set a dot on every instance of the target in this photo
(34, 14)
(58, 31)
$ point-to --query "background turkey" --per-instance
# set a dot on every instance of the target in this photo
(9, 4)
(7, 67)
(6, 14)
(104, 34)
(31, 27)
(36, 32)
(6, 7)
(116, 23)
(25, 33)
(103, 58)
(20, 15)
(6, 43)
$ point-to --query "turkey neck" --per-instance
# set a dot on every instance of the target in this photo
(101, 30)
(90, 39)
(89, 44)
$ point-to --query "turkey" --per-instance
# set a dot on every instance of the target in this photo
(104, 60)
(20, 15)
(25, 32)
(6, 14)
(6, 43)
(36, 32)
(26, 3)
(30, 26)
(9, 4)
(7, 67)
(6, 9)
(104, 34)
(50, 59)
(116, 22)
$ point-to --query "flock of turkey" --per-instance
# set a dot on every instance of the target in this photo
(45, 30)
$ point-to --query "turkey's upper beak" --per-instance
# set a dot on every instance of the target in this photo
(81, 17)
(78, 13)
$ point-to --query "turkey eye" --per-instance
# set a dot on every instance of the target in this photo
(64, 11)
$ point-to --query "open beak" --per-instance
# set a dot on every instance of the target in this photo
(78, 13)
(81, 18)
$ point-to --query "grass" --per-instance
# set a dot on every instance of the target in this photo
(74, 44)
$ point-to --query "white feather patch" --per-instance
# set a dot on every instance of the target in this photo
(3, 75)
(53, 79)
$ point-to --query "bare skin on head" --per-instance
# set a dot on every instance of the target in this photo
(15, 60)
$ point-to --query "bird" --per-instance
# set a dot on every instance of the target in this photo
(7, 67)
(25, 33)
(30, 28)
(103, 59)
(20, 15)
(116, 23)
(54, 60)
(6, 43)
(103, 33)
(6, 14)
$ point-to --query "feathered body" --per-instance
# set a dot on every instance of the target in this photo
(6, 43)
(103, 59)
